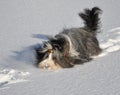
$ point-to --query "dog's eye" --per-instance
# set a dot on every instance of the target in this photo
(50, 50)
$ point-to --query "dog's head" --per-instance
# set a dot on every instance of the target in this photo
(54, 53)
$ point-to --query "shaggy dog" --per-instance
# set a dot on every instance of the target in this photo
(72, 46)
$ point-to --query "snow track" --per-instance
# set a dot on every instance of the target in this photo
(12, 76)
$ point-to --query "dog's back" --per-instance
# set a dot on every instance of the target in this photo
(83, 39)
(92, 24)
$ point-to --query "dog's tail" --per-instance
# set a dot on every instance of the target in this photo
(91, 19)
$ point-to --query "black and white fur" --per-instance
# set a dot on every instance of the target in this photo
(72, 46)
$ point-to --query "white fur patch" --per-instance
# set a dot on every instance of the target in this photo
(72, 51)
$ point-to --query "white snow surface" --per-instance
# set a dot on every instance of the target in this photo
(23, 26)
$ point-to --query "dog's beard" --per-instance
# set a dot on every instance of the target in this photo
(46, 56)
(49, 63)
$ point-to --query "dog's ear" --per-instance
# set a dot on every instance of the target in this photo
(58, 42)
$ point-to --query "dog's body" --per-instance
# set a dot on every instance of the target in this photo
(72, 46)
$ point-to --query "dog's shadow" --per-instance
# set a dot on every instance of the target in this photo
(40, 36)
(28, 54)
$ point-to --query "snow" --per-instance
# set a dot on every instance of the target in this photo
(11, 76)
(23, 26)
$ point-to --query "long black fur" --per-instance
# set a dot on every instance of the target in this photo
(75, 45)
(91, 19)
